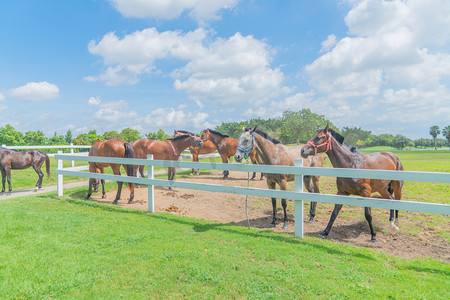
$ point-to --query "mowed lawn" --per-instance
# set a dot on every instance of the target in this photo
(69, 248)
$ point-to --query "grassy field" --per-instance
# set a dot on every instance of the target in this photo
(76, 249)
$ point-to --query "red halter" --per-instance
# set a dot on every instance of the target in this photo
(327, 142)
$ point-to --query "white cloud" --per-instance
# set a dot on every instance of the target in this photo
(224, 71)
(2, 97)
(170, 117)
(329, 43)
(112, 111)
(35, 91)
(95, 101)
(388, 45)
(170, 9)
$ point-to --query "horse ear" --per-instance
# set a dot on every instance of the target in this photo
(253, 130)
(243, 129)
(327, 128)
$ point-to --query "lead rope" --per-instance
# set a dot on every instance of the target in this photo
(246, 199)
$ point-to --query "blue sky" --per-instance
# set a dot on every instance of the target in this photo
(111, 64)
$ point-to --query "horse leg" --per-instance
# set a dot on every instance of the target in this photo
(195, 159)
(225, 172)
(368, 215)
(310, 189)
(37, 169)
(283, 187)
(8, 176)
(387, 195)
(91, 183)
(271, 186)
(333, 216)
(3, 180)
(116, 171)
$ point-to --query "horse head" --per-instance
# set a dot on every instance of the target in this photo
(246, 143)
(320, 143)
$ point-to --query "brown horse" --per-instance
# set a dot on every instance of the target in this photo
(273, 152)
(226, 146)
(140, 151)
(208, 147)
(10, 160)
(169, 149)
(111, 148)
(330, 142)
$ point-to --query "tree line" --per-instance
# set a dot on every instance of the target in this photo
(293, 127)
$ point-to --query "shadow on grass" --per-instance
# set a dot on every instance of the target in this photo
(199, 226)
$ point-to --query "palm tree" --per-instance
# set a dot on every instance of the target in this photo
(434, 131)
(446, 133)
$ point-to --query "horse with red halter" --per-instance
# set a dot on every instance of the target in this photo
(170, 149)
(111, 148)
(208, 147)
(10, 160)
(330, 142)
(226, 146)
(272, 152)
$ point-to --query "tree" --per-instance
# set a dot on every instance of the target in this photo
(34, 138)
(446, 133)
(129, 135)
(157, 136)
(111, 135)
(434, 131)
(401, 141)
(301, 125)
(10, 137)
(355, 136)
(68, 137)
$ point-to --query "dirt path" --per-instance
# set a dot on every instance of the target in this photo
(350, 226)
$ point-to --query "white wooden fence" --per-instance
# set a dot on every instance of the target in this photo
(298, 195)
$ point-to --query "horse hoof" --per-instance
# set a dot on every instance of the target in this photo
(322, 235)
(130, 201)
(373, 240)
(103, 196)
(115, 202)
(285, 227)
(311, 220)
(36, 189)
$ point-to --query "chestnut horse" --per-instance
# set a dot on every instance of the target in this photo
(169, 149)
(226, 146)
(330, 142)
(208, 147)
(111, 148)
(140, 149)
(10, 160)
(273, 152)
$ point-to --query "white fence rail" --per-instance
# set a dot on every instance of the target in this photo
(298, 195)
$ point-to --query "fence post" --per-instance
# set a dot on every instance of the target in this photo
(298, 188)
(60, 181)
(71, 152)
(151, 189)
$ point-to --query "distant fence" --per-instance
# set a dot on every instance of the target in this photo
(298, 195)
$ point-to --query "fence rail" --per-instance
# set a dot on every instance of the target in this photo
(298, 195)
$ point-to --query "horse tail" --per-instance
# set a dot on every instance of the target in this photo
(129, 153)
(47, 165)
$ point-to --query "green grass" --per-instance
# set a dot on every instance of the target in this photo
(69, 248)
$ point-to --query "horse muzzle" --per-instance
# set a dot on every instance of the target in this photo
(306, 151)
(238, 156)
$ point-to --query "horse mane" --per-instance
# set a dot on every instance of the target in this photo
(266, 136)
(218, 133)
(337, 136)
(184, 131)
(180, 137)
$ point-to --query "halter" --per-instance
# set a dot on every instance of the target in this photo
(327, 142)
(194, 141)
(247, 151)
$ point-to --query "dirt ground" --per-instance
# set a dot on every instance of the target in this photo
(350, 227)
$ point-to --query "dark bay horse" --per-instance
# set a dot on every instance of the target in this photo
(169, 149)
(208, 147)
(273, 152)
(111, 148)
(226, 146)
(330, 142)
(12, 160)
